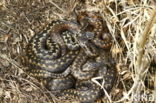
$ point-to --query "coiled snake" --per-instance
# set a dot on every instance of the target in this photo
(66, 54)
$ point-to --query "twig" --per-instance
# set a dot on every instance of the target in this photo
(140, 52)
(57, 6)
(143, 39)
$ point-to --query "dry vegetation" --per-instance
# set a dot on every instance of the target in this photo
(132, 24)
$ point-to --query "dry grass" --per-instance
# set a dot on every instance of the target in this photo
(132, 24)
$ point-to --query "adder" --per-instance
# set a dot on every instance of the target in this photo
(57, 55)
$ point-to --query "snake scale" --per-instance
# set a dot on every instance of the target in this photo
(69, 54)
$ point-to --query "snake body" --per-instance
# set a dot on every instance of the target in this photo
(42, 57)
(77, 66)
(86, 92)
(93, 23)
(65, 53)
(59, 84)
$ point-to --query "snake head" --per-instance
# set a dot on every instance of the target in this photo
(88, 35)
(85, 43)
(91, 66)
